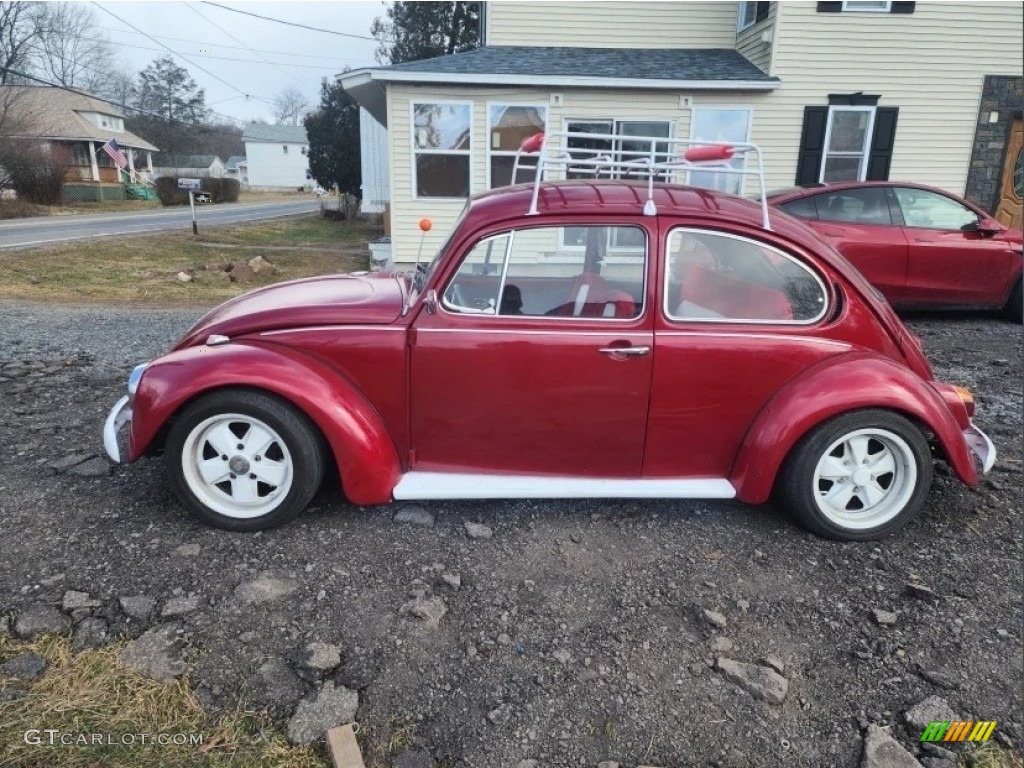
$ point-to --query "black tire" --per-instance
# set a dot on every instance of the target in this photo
(1014, 309)
(795, 486)
(298, 434)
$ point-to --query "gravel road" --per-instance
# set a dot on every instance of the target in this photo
(567, 633)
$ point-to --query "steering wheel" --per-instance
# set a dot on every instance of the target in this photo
(455, 296)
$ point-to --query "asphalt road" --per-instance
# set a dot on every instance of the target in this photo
(29, 233)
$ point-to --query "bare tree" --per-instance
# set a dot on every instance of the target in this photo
(289, 106)
(20, 31)
(120, 86)
(70, 51)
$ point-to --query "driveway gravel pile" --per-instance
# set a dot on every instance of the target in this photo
(535, 633)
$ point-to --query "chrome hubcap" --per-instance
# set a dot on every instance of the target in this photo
(865, 479)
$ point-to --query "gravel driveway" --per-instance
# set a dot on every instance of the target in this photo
(567, 633)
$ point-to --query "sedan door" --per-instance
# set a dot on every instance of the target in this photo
(537, 358)
(951, 262)
(857, 222)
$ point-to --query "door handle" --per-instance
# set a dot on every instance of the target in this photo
(625, 351)
(924, 240)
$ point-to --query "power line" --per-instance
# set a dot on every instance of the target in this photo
(289, 23)
(183, 58)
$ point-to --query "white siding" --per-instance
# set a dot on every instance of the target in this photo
(270, 166)
(373, 154)
(749, 42)
(612, 24)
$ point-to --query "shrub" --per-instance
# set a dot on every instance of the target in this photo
(36, 171)
(221, 190)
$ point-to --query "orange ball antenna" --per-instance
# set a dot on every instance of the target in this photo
(426, 224)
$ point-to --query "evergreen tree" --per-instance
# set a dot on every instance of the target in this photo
(333, 132)
(422, 30)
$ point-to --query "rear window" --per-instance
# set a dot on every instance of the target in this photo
(802, 207)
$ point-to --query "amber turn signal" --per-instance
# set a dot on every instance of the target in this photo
(967, 399)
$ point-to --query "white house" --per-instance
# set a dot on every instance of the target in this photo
(373, 154)
(854, 89)
(237, 168)
(277, 156)
(198, 166)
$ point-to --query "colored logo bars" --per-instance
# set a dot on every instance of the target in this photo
(959, 730)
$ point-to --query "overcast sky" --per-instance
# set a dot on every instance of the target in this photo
(301, 57)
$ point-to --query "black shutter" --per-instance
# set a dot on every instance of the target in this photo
(830, 7)
(880, 159)
(901, 7)
(812, 145)
(760, 12)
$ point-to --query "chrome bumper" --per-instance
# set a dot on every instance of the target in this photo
(981, 447)
(119, 415)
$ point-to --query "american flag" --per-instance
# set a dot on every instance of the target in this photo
(116, 154)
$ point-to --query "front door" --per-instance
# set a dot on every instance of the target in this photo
(538, 357)
(1011, 192)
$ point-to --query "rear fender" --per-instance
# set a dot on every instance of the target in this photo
(835, 386)
(365, 454)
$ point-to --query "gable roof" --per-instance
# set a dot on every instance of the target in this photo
(234, 161)
(54, 113)
(187, 161)
(285, 134)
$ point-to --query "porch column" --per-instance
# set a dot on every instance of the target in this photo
(131, 165)
(92, 161)
(149, 162)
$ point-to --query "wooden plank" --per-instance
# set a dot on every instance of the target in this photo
(341, 741)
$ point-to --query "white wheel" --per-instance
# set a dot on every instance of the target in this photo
(237, 465)
(865, 479)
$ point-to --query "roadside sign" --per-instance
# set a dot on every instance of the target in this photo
(190, 183)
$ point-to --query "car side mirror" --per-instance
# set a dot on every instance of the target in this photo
(989, 227)
(430, 301)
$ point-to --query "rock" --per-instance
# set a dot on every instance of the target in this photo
(179, 606)
(75, 600)
(242, 273)
(90, 633)
(317, 659)
(24, 666)
(184, 277)
(936, 751)
(885, 618)
(333, 705)
(938, 762)
(607, 764)
(535, 764)
(761, 682)
(883, 751)
(188, 550)
(430, 609)
(921, 714)
(139, 607)
(477, 530)
(264, 589)
(715, 619)
(743, 605)
(157, 654)
(72, 459)
(453, 580)
(5, 625)
(39, 619)
(415, 758)
(562, 656)
(277, 687)
(415, 515)
(721, 645)
(94, 467)
(775, 663)
(500, 715)
(920, 591)
(261, 266)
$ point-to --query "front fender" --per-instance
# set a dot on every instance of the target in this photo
(834, 386)
(365, 454)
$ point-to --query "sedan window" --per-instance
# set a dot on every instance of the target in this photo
(931, 210)
(866, 205)
(802, 207)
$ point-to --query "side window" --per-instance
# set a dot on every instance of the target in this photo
(866, 205)
(922, 208)
(723, 278)
(534, 273)
(802, 207)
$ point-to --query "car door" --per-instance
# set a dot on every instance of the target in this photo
(857, 222)
(951, 261)
(538, 356)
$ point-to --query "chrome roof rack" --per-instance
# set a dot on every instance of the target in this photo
(664, 159)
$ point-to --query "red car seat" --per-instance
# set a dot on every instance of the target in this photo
(731, 297)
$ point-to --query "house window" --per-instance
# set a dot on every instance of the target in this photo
(867, 6)
(284, 148)
(847, 142)
(80, 154)
(720, 125)
(750, 14)
(441, 146)
(507, 126)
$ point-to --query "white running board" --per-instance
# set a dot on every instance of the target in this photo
(457, 485)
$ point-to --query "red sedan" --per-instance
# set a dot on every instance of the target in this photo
(920, 246)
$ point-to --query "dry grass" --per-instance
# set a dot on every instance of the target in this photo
(93, 693)
(250, 196)
(992, 755)
(143, 269)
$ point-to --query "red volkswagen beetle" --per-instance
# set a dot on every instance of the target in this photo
(920, 246)
(573, 338)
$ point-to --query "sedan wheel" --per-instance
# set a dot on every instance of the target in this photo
(859, 476)
(244, 460)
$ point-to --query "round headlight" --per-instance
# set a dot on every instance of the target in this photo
(135, 378)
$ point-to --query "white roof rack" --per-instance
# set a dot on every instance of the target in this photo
(605, 155)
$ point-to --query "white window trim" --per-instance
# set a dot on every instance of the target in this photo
(489, 153)
(740, 26)
(847, 8)
(465, 152)
(865, 152)
(750, 129)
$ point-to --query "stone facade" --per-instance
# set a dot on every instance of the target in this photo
(1004, 95)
